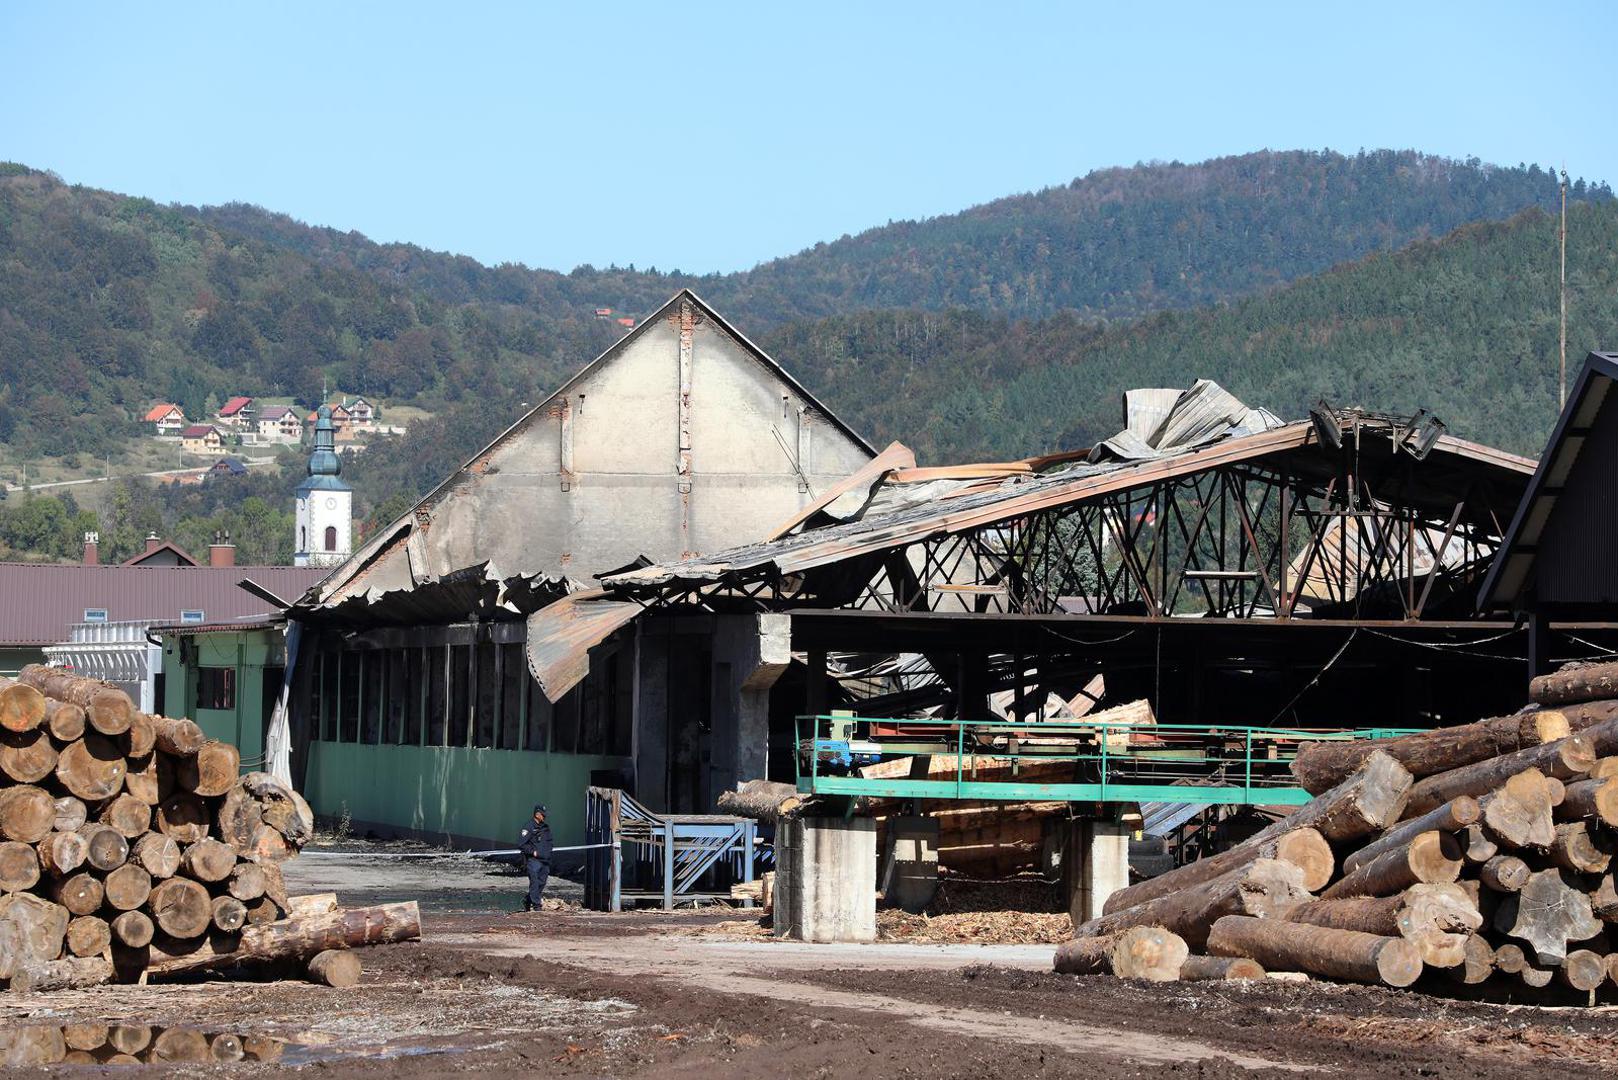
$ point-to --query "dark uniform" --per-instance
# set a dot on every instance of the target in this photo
(535, 845)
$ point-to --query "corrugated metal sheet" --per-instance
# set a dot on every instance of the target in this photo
(40, 603)
(561, 635)
(459, 597)
(897, 516)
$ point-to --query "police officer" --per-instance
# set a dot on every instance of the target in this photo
(535, 845)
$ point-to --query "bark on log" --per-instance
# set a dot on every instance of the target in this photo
(311, 904)
(108, 709)
(1574, 684)
(208, 860)
(264, 910)
(1477, 964)
(1429, 857)
(1595, 799)
(92, 768)
(79, 893)
(302, 938)
(141, 779)
(212, 771)
(1563, 759)
(1504, 873)
(341, 968)
(65, 721)
(106, 849)
(128, 887)
(1549, 914)
(181, 908)
(1140, 952)
(22, 707)
(270, 846)
(1436, 919)
(88, 935)
(157, 854)
(184, 817)
(27, 756)
(1220, 969)
(180, 738)
(764, 800)
(19, 866)
(1321, 765)
(37, 928)
(1577, 850)
(61, 853)
(1604, 899)
(1303, 847)
(126, 815)
(68, 973)
(71, 813)
(1583, 970)
(134, 928)
(229, 914)
(1454, 816)
(1339, 954)
(1264, 888)
(26, 813)
(141, 738)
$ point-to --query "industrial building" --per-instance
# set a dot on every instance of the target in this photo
(413, 708)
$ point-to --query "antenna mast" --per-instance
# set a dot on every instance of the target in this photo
(1561, 381)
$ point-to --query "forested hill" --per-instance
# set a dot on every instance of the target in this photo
(1115, 243)
(1465, 326)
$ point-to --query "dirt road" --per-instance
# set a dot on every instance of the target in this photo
(712, 997)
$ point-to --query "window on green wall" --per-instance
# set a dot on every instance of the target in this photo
(216, 688)
(460, 694)
(317, 686)
(513, 679)
(398, 696)
(330, 704)
(417, 682)
(349, 695)
(437, 694)
(487, 697)
(371, 697)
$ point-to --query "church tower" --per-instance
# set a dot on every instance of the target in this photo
(325, 504)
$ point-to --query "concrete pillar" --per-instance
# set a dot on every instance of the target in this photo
(911, 880)
(771, 657)
(825, 879)
(1096, 866)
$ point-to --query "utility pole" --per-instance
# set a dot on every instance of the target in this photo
(1561, 383)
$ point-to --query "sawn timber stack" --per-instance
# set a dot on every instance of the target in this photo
(131, 846)
(1472, 860)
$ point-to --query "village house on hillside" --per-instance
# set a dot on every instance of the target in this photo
(202, 439)
(166, 418)
(280, 424)
(362, 414)
(237, 412)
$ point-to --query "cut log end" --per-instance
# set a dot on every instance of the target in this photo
(341, 968)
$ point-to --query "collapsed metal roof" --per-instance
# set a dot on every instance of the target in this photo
(1204, 428)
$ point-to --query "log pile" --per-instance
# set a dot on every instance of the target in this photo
(1468, 860)
(131, 846)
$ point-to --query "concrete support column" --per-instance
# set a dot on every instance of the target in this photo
(1096, 866)
(771, 657)
(910, 879)
(825, 879)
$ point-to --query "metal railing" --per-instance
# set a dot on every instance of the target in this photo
(1062, 760)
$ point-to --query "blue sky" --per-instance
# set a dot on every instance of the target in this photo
(712, 137)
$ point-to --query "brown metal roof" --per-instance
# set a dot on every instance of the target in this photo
(41, 601)
(561, 635)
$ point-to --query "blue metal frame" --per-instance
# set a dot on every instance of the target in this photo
(679, 849)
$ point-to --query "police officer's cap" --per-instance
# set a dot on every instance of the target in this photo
(539, 808)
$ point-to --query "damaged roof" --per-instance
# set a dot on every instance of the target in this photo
(1203, 428)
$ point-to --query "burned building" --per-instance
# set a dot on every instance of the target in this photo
(413, 705)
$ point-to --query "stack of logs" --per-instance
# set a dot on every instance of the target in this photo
(130, 846)
(1475, 859)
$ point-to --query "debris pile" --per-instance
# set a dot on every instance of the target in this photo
(1477, 855)
(130, 846)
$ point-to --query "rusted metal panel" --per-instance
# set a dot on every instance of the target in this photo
(561, 635)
